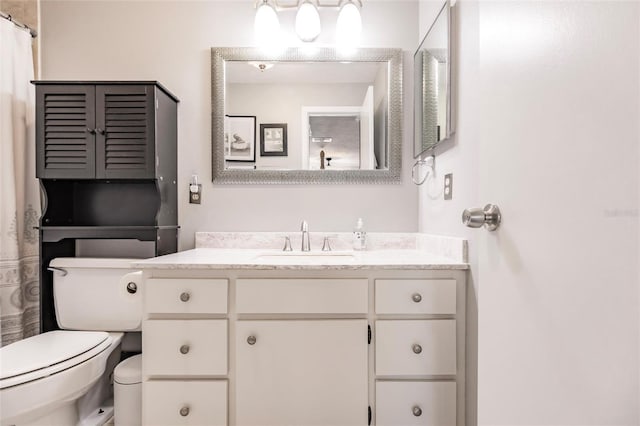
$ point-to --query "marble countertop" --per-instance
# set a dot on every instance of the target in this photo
(227, 250)
(209, 258)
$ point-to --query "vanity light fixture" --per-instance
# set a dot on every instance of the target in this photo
(349, 25)
(266, 25)
(307, 21)
(307, 24)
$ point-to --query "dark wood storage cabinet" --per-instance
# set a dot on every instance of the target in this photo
(106, 157)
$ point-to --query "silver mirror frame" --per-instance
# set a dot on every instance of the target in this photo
(394, 119)
(449, 121)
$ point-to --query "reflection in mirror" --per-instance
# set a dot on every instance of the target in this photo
(301, 117)
(432, 115)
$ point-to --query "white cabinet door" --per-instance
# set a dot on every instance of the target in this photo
(301, 373)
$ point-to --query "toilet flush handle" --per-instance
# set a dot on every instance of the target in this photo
(62, 272)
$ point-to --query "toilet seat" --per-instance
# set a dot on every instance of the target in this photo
(49, 353)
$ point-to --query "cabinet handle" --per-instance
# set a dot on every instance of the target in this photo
(417, 411)
(251, 340)
(91, 131)
(416, 348)
(100, 130)
(416, 297)
(184, 349)
(185, 296)
(184, 411)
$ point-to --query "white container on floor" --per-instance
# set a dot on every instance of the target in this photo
(127, 392)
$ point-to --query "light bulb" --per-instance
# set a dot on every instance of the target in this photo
(349, 26)
(307, 22)
(266, 26)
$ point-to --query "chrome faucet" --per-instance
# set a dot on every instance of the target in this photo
(305, 236)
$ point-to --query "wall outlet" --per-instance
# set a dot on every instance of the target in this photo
(448, 186)
(195, 193)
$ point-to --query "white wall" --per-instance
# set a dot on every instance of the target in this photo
(554, 296)
(170, 41)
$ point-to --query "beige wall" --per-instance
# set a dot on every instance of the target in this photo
(170, 41)
(25, 12)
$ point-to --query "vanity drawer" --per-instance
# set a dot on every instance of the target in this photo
(173, 403)
(416, 403)
(186, 296)
(425, 347)
(302, 296)
(196, 348)
(415, 296)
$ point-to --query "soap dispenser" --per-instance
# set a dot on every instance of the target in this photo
(359, 236)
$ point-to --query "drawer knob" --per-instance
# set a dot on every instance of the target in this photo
(417, 411)
(184, 349)
(185, 296)
(416, 297)
(416, 348)
(251, 340)
(184, 411)
(132, 288)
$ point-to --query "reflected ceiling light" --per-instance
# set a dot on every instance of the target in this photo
(262, 66)
(307, 21)
(349, 25)
(266, 25)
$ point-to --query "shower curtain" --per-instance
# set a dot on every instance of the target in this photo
(19, 189)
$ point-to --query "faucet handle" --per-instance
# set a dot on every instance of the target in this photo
(325, 245)
(287, 244)
(304, 226)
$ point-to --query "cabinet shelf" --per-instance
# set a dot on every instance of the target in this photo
(52, 234)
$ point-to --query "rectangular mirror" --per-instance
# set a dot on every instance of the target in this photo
(432, 94)
(306, 117)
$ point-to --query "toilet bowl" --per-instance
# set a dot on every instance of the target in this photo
(63, 377)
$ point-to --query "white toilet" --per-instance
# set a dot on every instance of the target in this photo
(63, 377)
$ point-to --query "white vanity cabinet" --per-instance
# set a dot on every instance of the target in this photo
(291, 346)
(419, 364)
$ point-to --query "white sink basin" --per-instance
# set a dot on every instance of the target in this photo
(306, 256)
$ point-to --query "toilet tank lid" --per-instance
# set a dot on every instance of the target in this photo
(45, 350)
(129, 371)
(92, 262)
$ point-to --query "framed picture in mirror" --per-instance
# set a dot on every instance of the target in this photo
(273, 140)
(240, 138)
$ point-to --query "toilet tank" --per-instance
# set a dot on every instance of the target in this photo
(94, 294)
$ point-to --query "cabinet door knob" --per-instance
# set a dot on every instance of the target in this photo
(184, 349)
(416, 297)
(251, 340)
(417, 411)
(132, 287)
(416, 348)
(185, 296)
(184, 411)
(100, 130)
(91, 131)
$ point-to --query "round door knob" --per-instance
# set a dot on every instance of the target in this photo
(184, 349)
(416, 297)
(185, 296)
(417, 411)
(251, 340)
(184, 411)
(416, 348)
(489, 217)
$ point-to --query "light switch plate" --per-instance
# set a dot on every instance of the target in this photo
(195, 196)
(448, 186)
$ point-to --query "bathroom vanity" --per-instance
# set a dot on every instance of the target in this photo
(257, 336)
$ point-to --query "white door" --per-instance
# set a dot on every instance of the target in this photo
(557, 284)
(301, 373)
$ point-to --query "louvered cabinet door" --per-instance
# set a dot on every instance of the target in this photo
(125, 121)
(65, 136)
